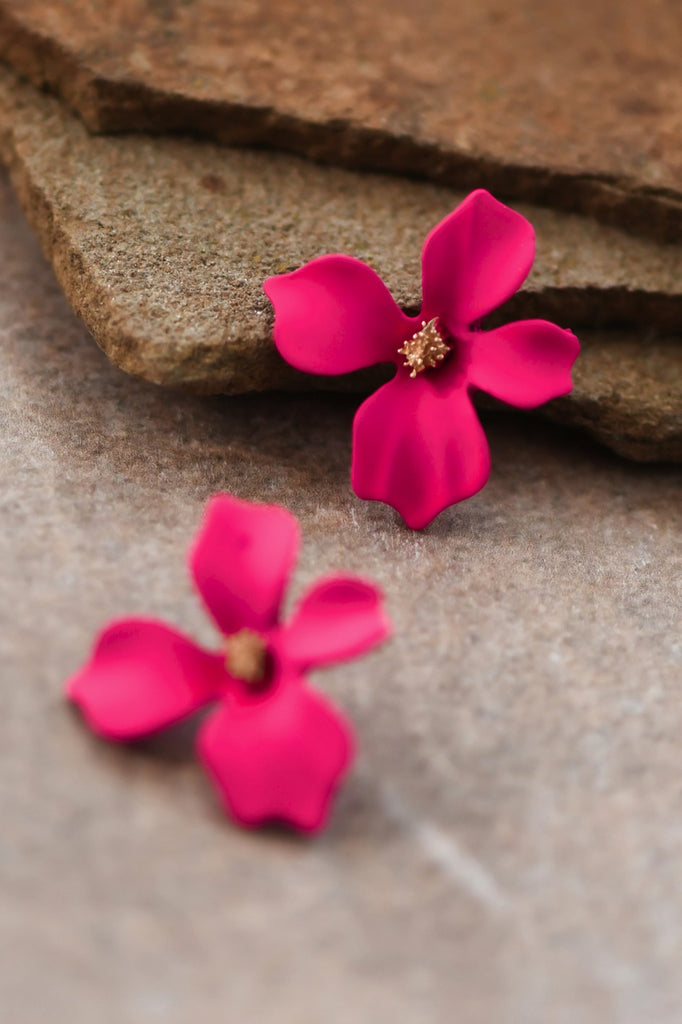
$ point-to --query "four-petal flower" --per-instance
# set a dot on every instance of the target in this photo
(275, 748)
(418, 444)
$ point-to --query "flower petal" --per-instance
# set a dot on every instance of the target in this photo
(524, 363)
(474, 260)
(241, 560)
(338, 618)
(418, 445)
(141, 676)
(277, 759)
(335, 315)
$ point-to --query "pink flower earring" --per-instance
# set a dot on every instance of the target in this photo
(418, 444)
(274, 748)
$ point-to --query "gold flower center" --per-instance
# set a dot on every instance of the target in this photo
(425, 349)
(246, 656)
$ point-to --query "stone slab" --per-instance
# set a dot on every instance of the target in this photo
(510, 842)
(578, 106)
(161, 245)
(628, 393)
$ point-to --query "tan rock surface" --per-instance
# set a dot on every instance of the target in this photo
(578, 105)
(509, 845)
(627, 392)
(162, 246)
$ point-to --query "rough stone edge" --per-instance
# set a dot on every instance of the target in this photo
(267, 371)
(100, 101)
(586, 414)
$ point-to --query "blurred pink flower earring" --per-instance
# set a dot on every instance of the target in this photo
(417, 443)
(274, 748)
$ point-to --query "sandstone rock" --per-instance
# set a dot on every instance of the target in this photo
(628, 393)
(577, 105)
(161, 245)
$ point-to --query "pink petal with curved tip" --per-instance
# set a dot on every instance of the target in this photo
(418, 445)
(143, 675)
(277, 759)
(339, 618)
(474, 260)
(524, 363)
(241, 560)
(335, 315)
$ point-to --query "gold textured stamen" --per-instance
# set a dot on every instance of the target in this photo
(424, 349)
(246, 656)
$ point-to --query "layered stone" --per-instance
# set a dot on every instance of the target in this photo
(575, 105)
(162, 245)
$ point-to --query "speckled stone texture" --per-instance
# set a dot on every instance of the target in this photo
(162, 246)
(578, 105)
(509, 845)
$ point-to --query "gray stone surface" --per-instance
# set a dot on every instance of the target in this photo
(507, 849)
(162, 246)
